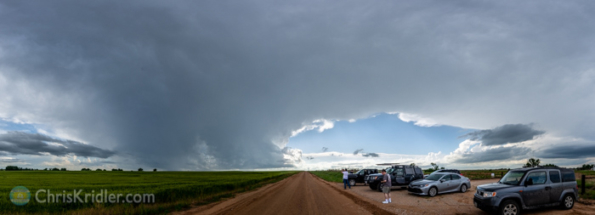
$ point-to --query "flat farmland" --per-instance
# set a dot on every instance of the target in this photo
(171, 190)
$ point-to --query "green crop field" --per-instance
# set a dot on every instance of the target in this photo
(332, 176)
(171, 190)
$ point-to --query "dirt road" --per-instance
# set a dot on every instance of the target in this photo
(304, 193)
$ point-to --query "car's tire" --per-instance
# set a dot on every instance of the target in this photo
(380, 186)
(372, 186)
(567, 202)
(509, 207)
(432, 192)
(352, 182)
(463, 188)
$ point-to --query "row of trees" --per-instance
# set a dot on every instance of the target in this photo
(532, 162)
(16, 168)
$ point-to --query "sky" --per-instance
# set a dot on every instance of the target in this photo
(256, 85)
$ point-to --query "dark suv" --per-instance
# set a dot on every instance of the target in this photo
(528, 188)
(359, 176)
(400, 175)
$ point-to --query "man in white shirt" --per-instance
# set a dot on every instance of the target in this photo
(346, 179)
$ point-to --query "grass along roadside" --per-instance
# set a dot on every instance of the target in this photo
(172, 190)
(332, 176)
(589, 185)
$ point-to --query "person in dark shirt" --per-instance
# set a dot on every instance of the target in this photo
(386, 181)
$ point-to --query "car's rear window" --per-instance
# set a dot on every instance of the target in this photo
(555, 176)
(568, 175)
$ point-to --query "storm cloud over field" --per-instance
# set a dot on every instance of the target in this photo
(224, 85)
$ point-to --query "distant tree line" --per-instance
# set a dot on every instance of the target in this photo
(586, 167)
(532, 162)
(16, 168)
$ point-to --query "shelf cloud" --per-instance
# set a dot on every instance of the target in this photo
(509, 133)
(15, 142)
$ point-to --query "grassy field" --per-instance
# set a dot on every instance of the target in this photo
(590, 183)
(172, 190)
(483, 174)
(332, 176)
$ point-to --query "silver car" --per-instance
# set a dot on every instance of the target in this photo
(439, 183)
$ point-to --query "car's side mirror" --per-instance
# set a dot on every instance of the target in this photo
(442, 180)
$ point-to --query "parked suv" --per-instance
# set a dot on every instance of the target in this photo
(359, 177)
(528, 188)
(400, 175)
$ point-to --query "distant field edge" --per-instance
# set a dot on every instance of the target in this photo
(331, 176)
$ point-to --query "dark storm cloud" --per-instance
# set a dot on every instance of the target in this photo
(569, 151)
(220, 85)
(16, 142)
(510, 133)
(495, 154)
(361, 151)
(371, 154)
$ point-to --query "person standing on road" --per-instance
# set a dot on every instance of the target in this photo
(386, 182)
(346, 179)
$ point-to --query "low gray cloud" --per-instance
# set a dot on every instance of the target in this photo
(568, 151)
(371, 154)
(361, 151)
(16, 142)
(11, 160)
(495, 154)
(509, 133)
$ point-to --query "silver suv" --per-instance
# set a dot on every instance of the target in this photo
(528, 188)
